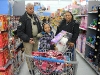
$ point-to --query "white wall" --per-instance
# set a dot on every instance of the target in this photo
(54, 5)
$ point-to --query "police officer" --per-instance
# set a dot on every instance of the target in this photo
(29, 27)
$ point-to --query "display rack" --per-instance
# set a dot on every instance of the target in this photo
(91, 49)
(81, 17)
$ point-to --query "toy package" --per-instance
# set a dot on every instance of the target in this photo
(62, 40)
(4, 57)
(3, 39)
(3, 23)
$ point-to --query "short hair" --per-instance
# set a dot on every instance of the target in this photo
(29, 4)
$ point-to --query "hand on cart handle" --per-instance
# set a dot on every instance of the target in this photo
(71, 44)
(31, 41)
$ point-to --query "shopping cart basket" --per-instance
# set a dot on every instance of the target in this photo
(61, 62)
(53, 63)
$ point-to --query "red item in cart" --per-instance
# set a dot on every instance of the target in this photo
(4, 57)
(45, 66)
(3, 39)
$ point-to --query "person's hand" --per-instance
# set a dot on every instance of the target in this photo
(31, 41)
(55, 48)
(71, 44)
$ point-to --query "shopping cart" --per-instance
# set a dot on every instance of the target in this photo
(53, 63)
(61, 62)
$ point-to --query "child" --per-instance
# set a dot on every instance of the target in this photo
(45, 39)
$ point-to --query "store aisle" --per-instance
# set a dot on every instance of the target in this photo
(83, 68)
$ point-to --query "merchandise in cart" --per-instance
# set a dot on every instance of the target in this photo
(54, 62)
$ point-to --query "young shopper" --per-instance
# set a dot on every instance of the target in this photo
(45, 39)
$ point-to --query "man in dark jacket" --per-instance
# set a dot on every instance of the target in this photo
(29, 27)
(71, 26)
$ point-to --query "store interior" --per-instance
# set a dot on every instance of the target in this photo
(85, 12)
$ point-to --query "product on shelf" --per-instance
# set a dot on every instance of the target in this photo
(94, 8)
(94, 23)
(80, 44)
(91, 39)
(84, 10)
(83, 23)
(91, 55)
(4, 57)
(8, 71)
(3, 23)
(3, 39)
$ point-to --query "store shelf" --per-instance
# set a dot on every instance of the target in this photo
(82, 28)
(91, 65)
(92, 28)
(8, 63)
(89, 44)
(81, 15)
(3, 48)
(93, 12)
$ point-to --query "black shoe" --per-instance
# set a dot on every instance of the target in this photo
(31, 71)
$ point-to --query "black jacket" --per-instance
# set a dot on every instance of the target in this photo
(72, 27)
(24, 30)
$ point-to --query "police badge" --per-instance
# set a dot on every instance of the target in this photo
(20, 24)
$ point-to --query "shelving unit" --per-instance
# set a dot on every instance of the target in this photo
(82, 18)
(91, 51)
(6, 65)
(82, 28)
(92, 28)
(81, 15)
